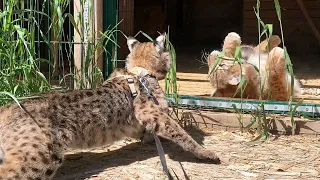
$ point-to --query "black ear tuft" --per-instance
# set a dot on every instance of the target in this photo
(159, 41)
(131, 42)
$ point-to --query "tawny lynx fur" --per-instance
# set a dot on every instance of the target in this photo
(273, 74)
(33, 142)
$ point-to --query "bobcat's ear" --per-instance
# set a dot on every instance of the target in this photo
(268, 44)
(131, 42)
(159, 42)
(274, 41)
(234, 81)
(212, 58)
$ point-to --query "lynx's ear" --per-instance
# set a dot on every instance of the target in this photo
(274, 41)
(234, 81)
(131, 42)
(212, 58)
(268, 44)
(159, 42)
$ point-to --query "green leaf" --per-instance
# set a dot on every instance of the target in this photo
(12, 97)
(73, 22)
(270, 28)
(237, 53)
(242, 85)
(146, 35)
(252, 121)
(278, 8)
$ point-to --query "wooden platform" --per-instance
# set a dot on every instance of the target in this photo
(197, 84)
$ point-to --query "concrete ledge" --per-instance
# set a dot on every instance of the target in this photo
(278, 123)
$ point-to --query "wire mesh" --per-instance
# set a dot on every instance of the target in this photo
(54, 26)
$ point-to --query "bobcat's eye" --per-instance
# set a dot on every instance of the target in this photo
(222, 64)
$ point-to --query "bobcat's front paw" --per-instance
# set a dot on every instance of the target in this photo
(209, 155)
(147, 138)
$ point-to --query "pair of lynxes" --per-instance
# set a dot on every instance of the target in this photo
(33, 140)
(267, 57)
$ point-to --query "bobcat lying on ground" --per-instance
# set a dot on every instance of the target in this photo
(33, 142)
(274, 75)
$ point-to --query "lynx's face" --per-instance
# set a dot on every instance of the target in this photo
(226, 73)
(151, 56)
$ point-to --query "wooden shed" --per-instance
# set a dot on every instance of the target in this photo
(197, 26)
(202, 25)
(298, 33)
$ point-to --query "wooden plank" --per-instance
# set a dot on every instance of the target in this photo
(197, 84)
(309, 20)
(126, 15)
(285, 5)
(230, 120)
(289, 14)
(299, 21)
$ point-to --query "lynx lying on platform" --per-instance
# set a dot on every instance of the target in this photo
(33, 142)
(227, 75)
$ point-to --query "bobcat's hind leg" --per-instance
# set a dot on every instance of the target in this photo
(276, 74)
(154, 120)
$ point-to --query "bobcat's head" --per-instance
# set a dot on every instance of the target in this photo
(151, 56)
(226, 73)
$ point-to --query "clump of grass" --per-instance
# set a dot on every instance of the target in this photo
(21, 34)
(171, 78)
(93, 43)
(19, 73)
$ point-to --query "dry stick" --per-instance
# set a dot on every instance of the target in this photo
(309, 19)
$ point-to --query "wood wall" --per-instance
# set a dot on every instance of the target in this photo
(298, 35)
(211, 20)
(126, 15)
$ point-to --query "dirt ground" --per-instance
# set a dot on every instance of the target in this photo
(282, 157)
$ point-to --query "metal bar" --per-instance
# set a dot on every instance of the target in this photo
(49, 39)
(70, 34)
(38, 32)
(276, 107)
(110, 19)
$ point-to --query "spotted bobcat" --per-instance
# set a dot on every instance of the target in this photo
(33, 141)
(274, 77)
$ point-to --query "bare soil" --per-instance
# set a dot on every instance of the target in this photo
(280, 157)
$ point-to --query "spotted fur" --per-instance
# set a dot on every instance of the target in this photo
(33, 141)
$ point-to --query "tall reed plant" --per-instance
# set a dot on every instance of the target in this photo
(19, 73)
(28, 26)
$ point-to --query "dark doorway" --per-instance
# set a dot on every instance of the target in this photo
(195, 26)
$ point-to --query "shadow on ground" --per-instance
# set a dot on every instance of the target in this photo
(85, 164)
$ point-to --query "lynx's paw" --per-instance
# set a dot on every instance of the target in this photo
(233, 38)
(230, 43)
(208, 155)
(276, 61)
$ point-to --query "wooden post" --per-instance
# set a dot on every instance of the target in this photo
(78, 55)
(98, 25)
(95, 29)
